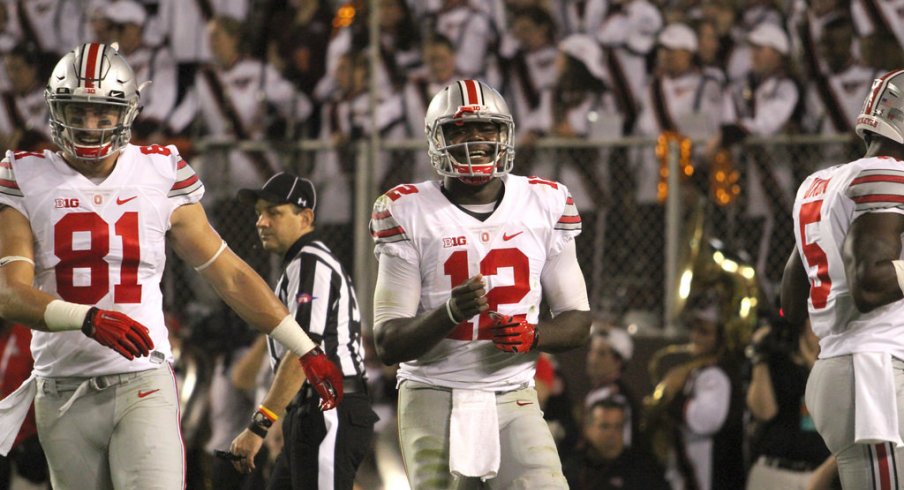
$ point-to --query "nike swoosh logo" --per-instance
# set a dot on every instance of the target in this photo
(142, 394)
(522, 403)
(506, 237)
(123, 201)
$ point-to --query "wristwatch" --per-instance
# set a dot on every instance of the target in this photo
(261, 420)
(260, 424)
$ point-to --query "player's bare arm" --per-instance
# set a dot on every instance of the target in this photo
(568, 330)
(795, 290)
(872, 243)
(19, 300)
(404, 339)
(196, 242)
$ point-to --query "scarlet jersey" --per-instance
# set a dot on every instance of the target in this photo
(827, 203)
(535, 220)
(99, 243)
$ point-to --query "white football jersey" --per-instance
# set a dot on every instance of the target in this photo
(827, 203)
(99, 244)
(534, 221)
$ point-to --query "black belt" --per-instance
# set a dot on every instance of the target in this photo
(350, 385)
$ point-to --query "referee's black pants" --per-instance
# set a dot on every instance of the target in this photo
(322, 450)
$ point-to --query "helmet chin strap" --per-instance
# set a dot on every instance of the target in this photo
(93, 152)
(475, 181)
(478, 178)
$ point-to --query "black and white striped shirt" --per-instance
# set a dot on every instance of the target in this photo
(317, 290)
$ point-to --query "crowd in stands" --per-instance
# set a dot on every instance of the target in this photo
(252, 69)
(717, 71)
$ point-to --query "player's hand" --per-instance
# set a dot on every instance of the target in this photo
(469, 298)
(511, 334)
(119, 332)
(324, 376)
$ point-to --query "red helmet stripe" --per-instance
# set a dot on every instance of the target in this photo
(878, 89)
(91, 65)
(471, 93)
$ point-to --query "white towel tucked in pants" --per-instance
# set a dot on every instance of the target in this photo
(13, 410)
(474, 434)
(875, 399)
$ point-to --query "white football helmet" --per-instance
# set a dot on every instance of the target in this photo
(883, 110)
(92, 74)
(475, 161)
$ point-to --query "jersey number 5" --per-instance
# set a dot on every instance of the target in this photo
(93, 258)
(815, 255)
(456, 267)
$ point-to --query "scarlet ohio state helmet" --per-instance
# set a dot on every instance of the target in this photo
(467, 101)
(92, 74)
(883, 110)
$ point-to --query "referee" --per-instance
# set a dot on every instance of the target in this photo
(322, 449)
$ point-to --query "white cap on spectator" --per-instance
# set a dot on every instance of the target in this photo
(586, 50)
(126, 12)
(619, 340)
(769, 35)
(678, 36)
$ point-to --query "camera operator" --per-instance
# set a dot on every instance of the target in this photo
(787, 450)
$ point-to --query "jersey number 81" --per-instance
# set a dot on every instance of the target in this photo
(93, 258)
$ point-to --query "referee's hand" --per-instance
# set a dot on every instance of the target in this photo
(244, 448)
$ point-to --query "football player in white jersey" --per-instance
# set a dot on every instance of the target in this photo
(463, 264)
(846, 273)
(82, 235)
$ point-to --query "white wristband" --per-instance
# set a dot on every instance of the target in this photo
(290, 334)
(449, 311)
(899, 272)
(63, 315)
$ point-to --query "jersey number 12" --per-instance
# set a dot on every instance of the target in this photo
(456, 267)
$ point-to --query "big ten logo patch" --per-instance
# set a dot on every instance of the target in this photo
(455, 241)
(65, 202)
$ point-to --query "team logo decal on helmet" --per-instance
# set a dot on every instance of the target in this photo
(92, 79)
(476, 160)
(883, 110)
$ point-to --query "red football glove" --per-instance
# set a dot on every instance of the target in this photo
(513, 335)
(324, 376)
(119, 332)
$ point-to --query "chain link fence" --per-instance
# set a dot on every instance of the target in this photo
(617, 186)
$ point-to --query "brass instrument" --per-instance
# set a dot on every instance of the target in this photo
(706, 267)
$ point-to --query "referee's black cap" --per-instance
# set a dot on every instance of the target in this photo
(283, 188)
